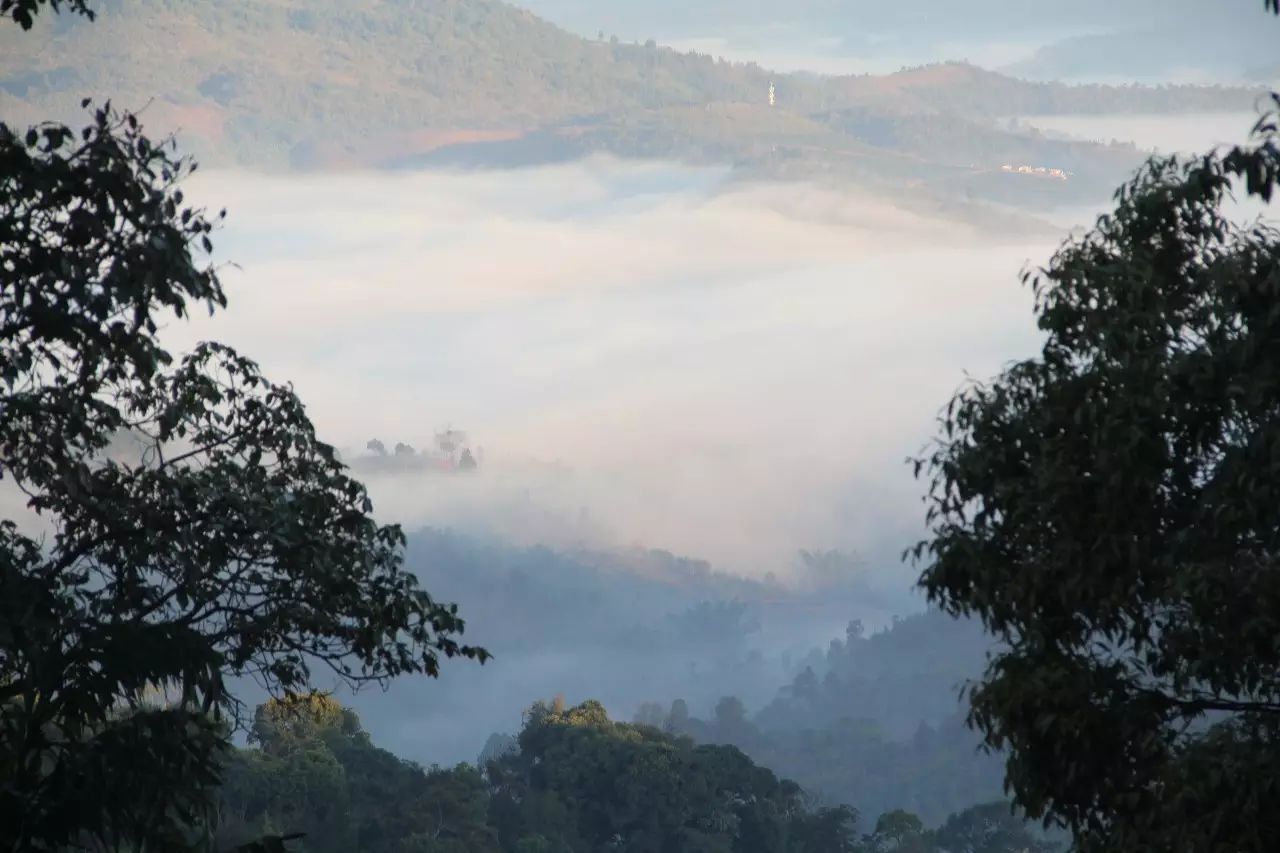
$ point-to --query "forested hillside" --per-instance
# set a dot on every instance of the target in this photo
(854, 714)
(874, 721)
(854, 759)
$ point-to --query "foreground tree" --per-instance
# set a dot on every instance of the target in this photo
(1109, 510)
(184, 523)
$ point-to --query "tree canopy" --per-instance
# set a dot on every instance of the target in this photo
(574, 781)
(1107, 508)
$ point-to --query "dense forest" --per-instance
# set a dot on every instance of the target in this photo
(571, 780)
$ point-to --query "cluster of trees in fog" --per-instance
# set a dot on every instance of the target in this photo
(1104, 509)
(450, 452)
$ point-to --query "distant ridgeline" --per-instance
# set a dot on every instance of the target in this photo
(632, 600)
(869, 718)
(270, 83)
(572, 781)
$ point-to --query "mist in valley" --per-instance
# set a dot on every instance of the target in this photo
(647, 357)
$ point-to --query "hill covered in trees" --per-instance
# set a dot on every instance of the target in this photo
(874, 721)
(787, 673)
(276, 83)
(937, 772)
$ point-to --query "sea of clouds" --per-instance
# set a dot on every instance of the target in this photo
(722, 370)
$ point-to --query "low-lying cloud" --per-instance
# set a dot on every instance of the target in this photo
(647, 353)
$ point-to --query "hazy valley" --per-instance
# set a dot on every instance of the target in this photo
(632, 317)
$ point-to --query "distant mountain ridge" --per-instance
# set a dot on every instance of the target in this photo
(272, 83)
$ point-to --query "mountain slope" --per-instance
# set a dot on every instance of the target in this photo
(273, 72)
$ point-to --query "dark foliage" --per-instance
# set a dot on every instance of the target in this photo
(1107, 510)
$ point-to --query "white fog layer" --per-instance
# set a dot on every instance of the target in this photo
(731, 374)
